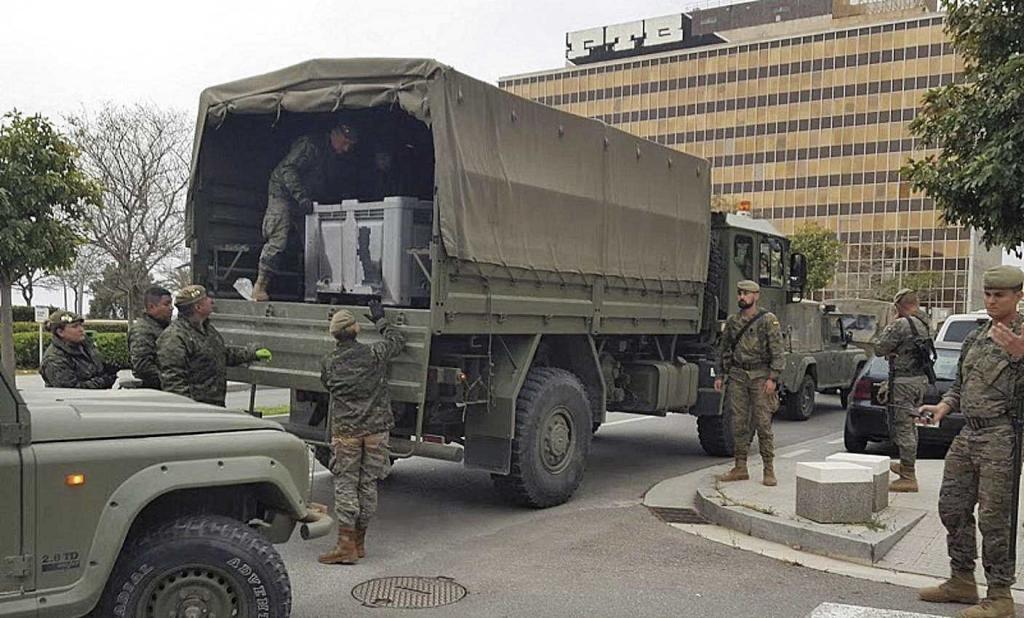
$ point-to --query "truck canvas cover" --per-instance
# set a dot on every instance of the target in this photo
(518, 184)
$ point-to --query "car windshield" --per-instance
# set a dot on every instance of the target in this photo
(945, 365)
(958, 330)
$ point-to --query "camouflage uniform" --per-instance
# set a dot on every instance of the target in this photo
(355, 375)
(909, 383)
(300, 174)
(142, 350)
(76, 365)
(194, 359)
(756, 357)
(979, 464)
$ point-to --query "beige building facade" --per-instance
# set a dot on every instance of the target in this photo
(805, 114)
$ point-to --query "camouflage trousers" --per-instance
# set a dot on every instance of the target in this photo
(279, 223)
(752, 411)
(357, 465)
(979, 470)
(908, 396)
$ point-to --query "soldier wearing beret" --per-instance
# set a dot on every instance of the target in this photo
(144, 333)
(191, 353)
(72, 360)
(898, 342)
(355, 375)
(751, 357)
(979, 465)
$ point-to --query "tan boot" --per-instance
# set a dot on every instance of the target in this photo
(361, 541)
(738, 472)
(998, 604)
(907, 483)
(259, 289)
(959, 588)
(894, 467)
(769, 474)
(344, 552)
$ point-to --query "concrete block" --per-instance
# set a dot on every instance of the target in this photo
(879, 465)
(834, 492)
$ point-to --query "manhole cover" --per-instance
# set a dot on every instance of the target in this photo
(409, 592)
(678, 516)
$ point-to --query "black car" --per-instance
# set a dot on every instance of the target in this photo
(866, 417)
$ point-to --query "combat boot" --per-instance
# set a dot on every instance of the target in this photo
(360, 541)
(998, 604)
(959, 588)
(769, 473)
(907, 483)
(259, 289)
(344, 552)
(738, 472)
(894, 467)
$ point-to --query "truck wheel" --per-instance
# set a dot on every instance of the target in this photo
(203, 565)
(715, 434)
(799, 404)
(552, 439)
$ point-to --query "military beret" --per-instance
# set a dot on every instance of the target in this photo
(189, 295)
(62, 318)
(1003, 277)
(341, 320)
(748, 286)
(899, 295)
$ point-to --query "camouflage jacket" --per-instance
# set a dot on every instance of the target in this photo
(71, 365)
(897, 340)
(142, 350)
(356, 376)
(759, 349)
(988, 381)
(303, 171)
(194, 360)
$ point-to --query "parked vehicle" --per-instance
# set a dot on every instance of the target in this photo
(544, 267)
(866, 417)
(955, 328)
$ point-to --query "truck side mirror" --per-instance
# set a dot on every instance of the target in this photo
(797, 276)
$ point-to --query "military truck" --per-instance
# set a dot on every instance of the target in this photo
(544, 267)
(140, 503)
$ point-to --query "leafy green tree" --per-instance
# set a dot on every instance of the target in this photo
(977, 177)
(822, 250)
(923, 283)
(43, 194)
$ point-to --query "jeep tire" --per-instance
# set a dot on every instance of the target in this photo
(798, 405)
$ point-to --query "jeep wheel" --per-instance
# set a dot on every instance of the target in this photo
(853, 442)
(204, 565)
(552, 439)
(799, 404)
(715, 434)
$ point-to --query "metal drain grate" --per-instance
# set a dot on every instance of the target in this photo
(678, 516)
(409, 592)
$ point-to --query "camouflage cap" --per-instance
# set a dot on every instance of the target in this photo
(341, 320)
(61, 318)
(899, 295)
(1003, 277)
(189, 295)
(748, 286)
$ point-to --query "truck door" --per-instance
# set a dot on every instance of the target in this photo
(16, 572)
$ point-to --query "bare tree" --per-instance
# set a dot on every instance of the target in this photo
(29, 282)
(140, 155)
(88, 267)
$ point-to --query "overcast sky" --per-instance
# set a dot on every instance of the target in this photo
(60, 55)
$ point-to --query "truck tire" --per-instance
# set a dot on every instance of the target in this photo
(715, 434)
(799, 404)
(203, 565)
(713, 281)
(552, 439)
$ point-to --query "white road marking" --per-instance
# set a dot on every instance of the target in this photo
(839, 441)
(837, 610)
(795, 453)
(629, 420)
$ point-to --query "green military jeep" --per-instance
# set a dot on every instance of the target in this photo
(142, 503)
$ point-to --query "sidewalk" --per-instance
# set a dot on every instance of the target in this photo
(907, 537)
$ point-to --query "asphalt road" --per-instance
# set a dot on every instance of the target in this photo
(601, 554)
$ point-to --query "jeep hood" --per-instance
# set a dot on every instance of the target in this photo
(59, 414)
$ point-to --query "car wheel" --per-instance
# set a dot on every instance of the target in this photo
(853, 442)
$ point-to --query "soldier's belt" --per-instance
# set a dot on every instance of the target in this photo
(984, 423)
(751, 366)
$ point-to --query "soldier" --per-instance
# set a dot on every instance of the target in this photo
(897, 342)
(751, 356)
(290, 191)
(979, 465)
(144, 333)
(356, 377)
(191, 353)
(72, 360)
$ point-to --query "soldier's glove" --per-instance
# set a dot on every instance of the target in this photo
(264, 354)
(376, 311)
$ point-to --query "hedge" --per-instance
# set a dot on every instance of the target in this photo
(113, 347)
(96, 326)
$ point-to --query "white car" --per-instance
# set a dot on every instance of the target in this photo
(956, 327)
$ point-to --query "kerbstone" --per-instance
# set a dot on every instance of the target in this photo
(834, 492)
(879, 465)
